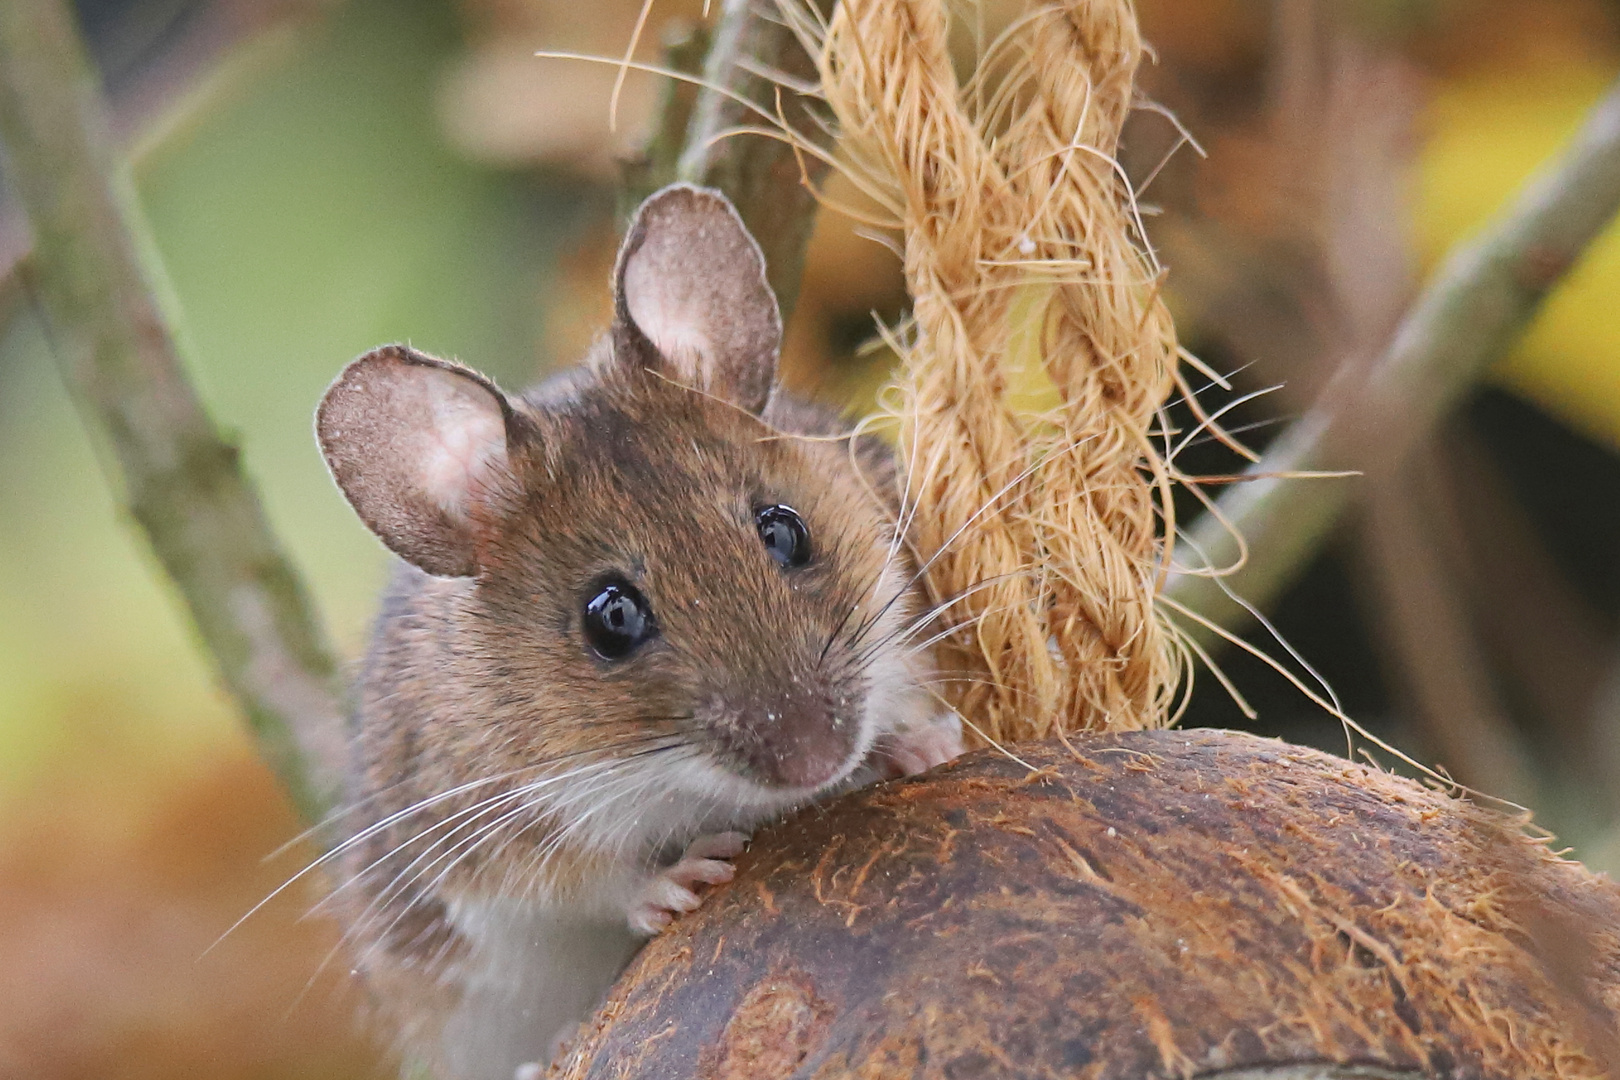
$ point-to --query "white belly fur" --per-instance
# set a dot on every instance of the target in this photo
(532, 974)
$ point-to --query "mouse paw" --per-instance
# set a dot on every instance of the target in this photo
(673, 889)
(916, 748)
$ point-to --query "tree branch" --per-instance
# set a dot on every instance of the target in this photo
(97, 282)
(686, 48)
(1468, 316)
(771, 185)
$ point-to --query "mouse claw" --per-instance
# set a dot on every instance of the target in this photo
(916, 748)
(673, 890)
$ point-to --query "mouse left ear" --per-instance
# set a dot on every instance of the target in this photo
(690, 283)
(420, 446)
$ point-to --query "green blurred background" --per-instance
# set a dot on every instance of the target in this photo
(322, 176)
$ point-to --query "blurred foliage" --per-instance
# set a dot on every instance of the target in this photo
(1397, 19)
(401, 171)
(1487, 133)
(305, 218)
(309, 219)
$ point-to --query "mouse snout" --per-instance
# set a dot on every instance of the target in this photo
(800, 740)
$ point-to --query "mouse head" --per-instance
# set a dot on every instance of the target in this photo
(650, 565)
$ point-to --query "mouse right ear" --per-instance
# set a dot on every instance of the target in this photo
(418, 445)
(690, 283)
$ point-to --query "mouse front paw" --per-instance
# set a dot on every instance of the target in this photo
(917, 747)
(673, 890)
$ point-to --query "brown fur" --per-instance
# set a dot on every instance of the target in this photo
(469, 677)
(640, 466)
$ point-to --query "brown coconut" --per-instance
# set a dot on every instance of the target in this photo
(1152, 904)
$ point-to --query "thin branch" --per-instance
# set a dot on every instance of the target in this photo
(1468, 316)
(98, 282)
(770, 184)
(686, 46)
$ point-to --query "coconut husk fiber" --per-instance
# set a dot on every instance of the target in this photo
(1149, 904)
(1115, 901)
(1039, 357)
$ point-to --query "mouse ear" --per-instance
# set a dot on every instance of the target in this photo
(417, 444)
(691, 284)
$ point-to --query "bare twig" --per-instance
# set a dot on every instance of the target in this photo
(686, 46)
(97, 283)
(770, 184)
(1468, 315)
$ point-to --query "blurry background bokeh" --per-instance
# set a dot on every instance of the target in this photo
(324, 175)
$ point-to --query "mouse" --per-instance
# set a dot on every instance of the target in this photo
(638, 610)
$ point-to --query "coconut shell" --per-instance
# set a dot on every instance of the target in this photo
(1147, 904)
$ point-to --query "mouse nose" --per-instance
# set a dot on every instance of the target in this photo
(796, 742)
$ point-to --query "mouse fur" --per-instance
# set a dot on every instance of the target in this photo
(523, 809)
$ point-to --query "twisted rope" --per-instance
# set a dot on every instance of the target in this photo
(1039, 358)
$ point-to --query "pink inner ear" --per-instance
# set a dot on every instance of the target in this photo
(671, 315)
(462, 442)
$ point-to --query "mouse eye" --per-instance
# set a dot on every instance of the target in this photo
(786, 536)
(617, 620)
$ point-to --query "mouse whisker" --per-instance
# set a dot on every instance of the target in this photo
(968, 624)
(340, 849)
(592, 771)
(367, 923)
(433, 800)
(476, 810)
(472, 814)
(921, 621)
(923, 647)
(909, 508)
(364, 924)
(600, 799)
(469, 845)
(961, 530)
(967, 680)
(630, 787)
(849, 613)
(563, 807)
(415, 808)
(934, 611)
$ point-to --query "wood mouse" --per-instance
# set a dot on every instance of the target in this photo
(642, 608)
